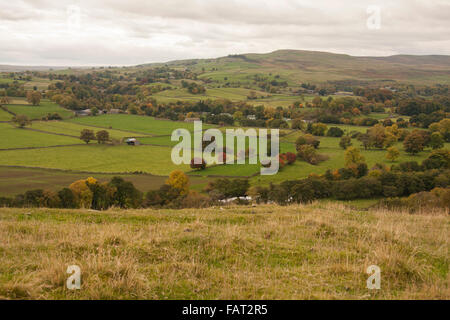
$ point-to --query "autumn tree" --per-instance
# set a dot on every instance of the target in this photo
(414, 142)
(87, 135)
(345, 142)
(436, 140)
(392, 153)
(318, 129)
(353, 157)
(377, 136)
(34, 97)
(444, 128)
(21, 121)
(102, 136)
(179, 180)
(298, 124)
(82, 192)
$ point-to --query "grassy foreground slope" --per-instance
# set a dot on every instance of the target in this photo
(266, 252)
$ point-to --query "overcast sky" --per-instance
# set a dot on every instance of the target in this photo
(129, 32)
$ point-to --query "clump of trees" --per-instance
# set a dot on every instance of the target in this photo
(88, 135)
(193, 87)
(86, 193)
(175, 193)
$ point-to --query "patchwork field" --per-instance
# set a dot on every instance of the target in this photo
(319, 251)
(74, 129)
(134, 123)
(232, 94)
(96, 158)
(12, 137)
(37, 112)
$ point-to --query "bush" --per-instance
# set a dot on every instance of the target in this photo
(335, 132)
(318, 129)
(291, 157)
(345, 142)
(307, 139)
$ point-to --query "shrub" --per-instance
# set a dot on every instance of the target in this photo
(318, 129)
(307, 139)
(291, 157)
(335, 132)
(345, 142)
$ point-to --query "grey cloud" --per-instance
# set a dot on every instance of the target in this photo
(130, 32)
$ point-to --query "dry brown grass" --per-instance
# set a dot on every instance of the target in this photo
(320, 251)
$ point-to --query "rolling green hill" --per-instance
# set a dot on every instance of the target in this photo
(298, 66)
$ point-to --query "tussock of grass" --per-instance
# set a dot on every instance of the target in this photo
(266, 252)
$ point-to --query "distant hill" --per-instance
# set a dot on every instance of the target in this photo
(299, 65)
(13, 68)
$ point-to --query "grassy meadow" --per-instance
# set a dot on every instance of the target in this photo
(74, 129)
(96, 158)
(5, 116)
(12, 137)
(137, 124)
(319, 251)
(37, 112)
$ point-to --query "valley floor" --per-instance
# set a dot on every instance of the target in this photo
(319, 251)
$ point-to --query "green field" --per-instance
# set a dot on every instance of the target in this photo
(37, 112)
(5, 116)
(137, 124)
(96, 158)
(74, 129)
(12, 137)
(232, 94)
